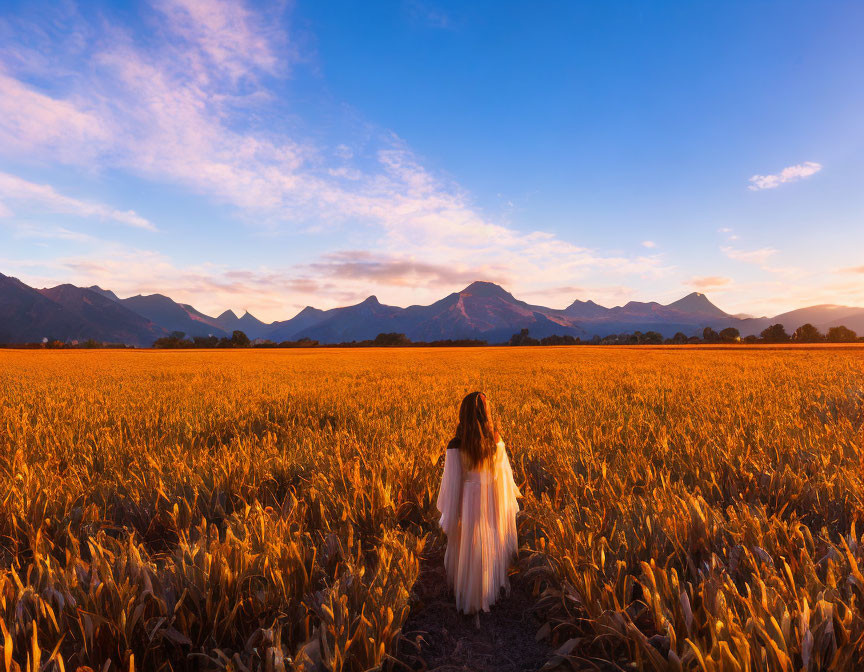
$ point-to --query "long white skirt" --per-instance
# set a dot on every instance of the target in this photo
(478, 514)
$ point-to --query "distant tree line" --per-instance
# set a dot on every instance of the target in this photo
(396, 340)
(178, 340)
(776, 333)
(56, 344)
(239, 339)
(806, 333)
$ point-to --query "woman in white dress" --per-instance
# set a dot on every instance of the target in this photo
(478, 506)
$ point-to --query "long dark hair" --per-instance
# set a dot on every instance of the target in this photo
(476, 435)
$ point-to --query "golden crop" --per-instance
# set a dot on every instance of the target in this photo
(683, 509)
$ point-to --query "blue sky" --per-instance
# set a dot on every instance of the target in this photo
(266, 156)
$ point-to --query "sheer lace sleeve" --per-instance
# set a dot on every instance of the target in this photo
(506, 504)
(504, 474)
(450, 495)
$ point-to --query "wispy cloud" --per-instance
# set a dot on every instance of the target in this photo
(29, 230)
(65, 130)
(708, 282)
(230, 38)
(788, 174)
(852, 269)
(401, 271)
(44, 197)
(650, 244)
(759, 257)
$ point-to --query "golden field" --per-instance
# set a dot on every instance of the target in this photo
(684, 509)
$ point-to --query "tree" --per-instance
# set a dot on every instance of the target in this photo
(841, 335)
(205, 341)
(391, 339)
(730, 335)
(555, 339)
(776, 333)
(264, 343)
(304, 342)
(680, 338)
(651, 338)
(807, 333)
(710, 336)
(175, 340)
(239, 340)
(523, 338)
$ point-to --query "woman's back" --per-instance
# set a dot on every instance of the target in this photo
(478, 514)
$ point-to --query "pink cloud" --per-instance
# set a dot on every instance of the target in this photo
(707, 282)
(230, 37)
(401, 271)
(789, 174)
(31, 121)
(759, 256)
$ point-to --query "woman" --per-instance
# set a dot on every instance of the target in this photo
(478, 508)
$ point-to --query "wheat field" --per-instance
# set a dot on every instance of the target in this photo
(683, 509)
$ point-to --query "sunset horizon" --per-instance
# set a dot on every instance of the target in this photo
(536, 297)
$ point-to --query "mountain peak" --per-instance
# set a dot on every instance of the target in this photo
(228, 315)
(696, 302)
(585, 309)
(107, 293)
(154, 298)
(486, 289)
(371, 301)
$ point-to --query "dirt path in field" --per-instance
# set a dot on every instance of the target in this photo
(439, 639)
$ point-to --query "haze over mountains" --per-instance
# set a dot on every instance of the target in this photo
(482, 310)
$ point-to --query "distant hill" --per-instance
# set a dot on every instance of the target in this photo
(586, 310)
(486, 311)
(352, 323)
(855, 321)
(248, 324)
(824, 317)
(66, 313)
(482, 310)
(172, 316)
(286, 329)
(107, 320)
(696, 303)
(27, 315)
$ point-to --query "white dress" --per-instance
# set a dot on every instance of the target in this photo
(478, 514)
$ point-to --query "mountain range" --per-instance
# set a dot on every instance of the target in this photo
(483, 310)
